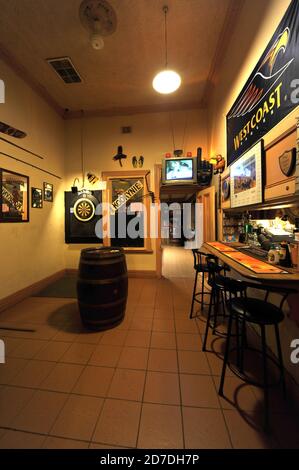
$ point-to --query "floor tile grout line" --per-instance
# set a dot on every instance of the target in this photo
(219, 401)
(107, 392)
(181, 396)
(145, 381)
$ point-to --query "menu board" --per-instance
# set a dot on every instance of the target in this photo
(221, 247)
(255, 265)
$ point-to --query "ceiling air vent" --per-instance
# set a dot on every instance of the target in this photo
(65, 69)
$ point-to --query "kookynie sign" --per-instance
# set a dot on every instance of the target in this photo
(272, 90)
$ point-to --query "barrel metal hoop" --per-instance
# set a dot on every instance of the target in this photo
(102, 282)
(102, 306)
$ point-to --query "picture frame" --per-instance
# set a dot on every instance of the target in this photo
(14, 196)
(36, 198)
(247, 177)
(48, 192)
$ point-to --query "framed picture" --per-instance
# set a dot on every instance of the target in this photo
(48, 192)
(14, 197)
(246, 177)
(36, 198)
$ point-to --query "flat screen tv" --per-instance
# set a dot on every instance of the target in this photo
(246, 176)
(179, 171)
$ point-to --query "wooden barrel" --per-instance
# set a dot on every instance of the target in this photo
(102, 287)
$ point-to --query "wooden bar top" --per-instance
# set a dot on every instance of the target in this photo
(226, 252)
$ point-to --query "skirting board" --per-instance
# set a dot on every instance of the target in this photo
(135, 273)
(22, 294)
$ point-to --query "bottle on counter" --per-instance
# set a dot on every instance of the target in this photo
(285, 255)
(274, 254)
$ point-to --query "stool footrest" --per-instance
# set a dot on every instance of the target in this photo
(247, 378)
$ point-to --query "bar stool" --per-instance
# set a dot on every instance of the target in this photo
(200, 266)
(251, 310)
(219, 284)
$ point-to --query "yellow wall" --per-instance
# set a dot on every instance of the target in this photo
(32, 251)
(151, 137)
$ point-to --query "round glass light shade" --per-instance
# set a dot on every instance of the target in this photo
(166, 82)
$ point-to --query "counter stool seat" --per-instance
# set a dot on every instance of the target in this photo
(243, 310)
(256, 311)
(219, 285)
(200, 267)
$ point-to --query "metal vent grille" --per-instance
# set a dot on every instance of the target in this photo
(65, 69)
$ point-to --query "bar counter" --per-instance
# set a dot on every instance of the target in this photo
(288, 275)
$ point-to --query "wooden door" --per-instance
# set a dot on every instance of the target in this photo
(207, 198)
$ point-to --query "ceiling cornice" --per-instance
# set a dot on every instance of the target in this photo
(231, 18)
(123, 111)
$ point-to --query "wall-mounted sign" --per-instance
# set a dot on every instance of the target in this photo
(123, 196)
(287, 162)
(271, 92)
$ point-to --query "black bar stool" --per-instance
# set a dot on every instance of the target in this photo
(200, 266)
(218, 284)
(246, 309)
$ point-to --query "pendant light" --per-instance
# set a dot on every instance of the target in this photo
(167, 81)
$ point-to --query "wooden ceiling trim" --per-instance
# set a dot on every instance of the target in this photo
(123, 111)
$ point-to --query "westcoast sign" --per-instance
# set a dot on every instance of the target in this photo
(269, 95)
(271, 105)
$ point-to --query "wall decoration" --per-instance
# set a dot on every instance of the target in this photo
(80, 216)
(271, 92)
(246, 177)
(219, 165)
(84, 209)
(140, 161)
(92, 178)
(120, 155)
(287, 162)
(48, 192)
(14, 197)
(134, 162)
(12, 131)
(36, 198)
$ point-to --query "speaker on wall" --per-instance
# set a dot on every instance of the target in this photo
(80, 216)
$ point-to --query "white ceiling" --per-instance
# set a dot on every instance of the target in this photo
(117, 78)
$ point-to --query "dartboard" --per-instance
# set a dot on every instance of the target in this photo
(84, 210)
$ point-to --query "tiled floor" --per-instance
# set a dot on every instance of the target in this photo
(144, 384)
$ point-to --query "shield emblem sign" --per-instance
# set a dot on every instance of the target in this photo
(287, 162)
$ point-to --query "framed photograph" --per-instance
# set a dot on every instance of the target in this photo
(14, 197)
(36, 198)
(48, 192)
(246, 177)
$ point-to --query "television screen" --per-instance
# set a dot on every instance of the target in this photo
(246, 178)
(180, 169)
